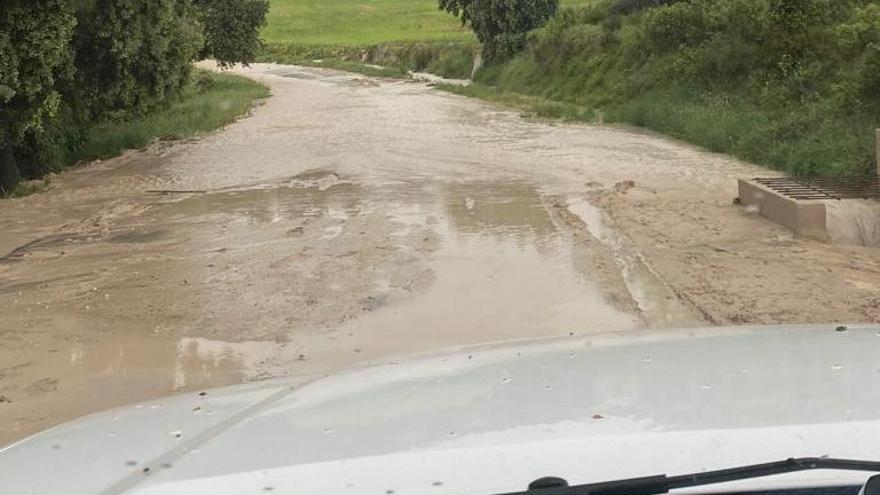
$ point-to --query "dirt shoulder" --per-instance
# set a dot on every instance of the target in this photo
(736, 268)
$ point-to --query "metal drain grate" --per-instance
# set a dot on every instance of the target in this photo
(825, 187)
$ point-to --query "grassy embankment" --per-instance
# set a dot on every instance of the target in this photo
(209, 102)
(795, 91)
(212, 101)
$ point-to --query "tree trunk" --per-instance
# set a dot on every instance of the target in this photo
(9, 175)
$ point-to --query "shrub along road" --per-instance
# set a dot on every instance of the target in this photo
(353, 219)
(792, 85)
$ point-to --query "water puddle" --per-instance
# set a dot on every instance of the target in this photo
(590, 215)
(501, 271)
(74, 368)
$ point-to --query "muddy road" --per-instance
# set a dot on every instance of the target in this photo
(352, 219)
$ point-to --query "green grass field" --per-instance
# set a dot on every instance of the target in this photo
(360, 22)
(363, 22)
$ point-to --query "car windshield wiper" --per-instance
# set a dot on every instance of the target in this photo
(655, 485)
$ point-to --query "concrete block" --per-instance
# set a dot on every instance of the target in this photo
(805, 218)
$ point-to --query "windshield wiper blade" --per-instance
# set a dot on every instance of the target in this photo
(655, 485)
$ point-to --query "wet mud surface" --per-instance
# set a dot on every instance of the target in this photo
(352, 219)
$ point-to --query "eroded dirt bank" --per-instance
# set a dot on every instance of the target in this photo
(352, 219)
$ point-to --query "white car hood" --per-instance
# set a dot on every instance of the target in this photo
(490, 419)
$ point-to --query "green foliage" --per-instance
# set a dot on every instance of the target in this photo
(34, 54)
(501, 25)
(630, 6)
(133, 54)
(793, 84)
(859, 40)
(33, 44)
(232, 29)
(52, 148)
(207, 102)
(454, 63)
(674, 26)
(65, 64)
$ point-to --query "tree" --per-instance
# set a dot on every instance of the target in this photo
(501, 25)
(34, 53)
(133, 54)
(232, 29)
(65, 64)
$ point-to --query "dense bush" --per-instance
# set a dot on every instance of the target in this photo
(630, 6)
(67, 64)
(790, 83)
(132, 54)
(34, 53)
(501, 25)
(232, 28)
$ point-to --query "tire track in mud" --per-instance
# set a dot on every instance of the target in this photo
(732, 267)
(45, 242)
(625, 276)
(592, 259)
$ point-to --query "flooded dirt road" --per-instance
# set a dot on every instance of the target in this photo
(352, 219)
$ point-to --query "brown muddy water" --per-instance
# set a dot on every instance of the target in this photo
(352, 219)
